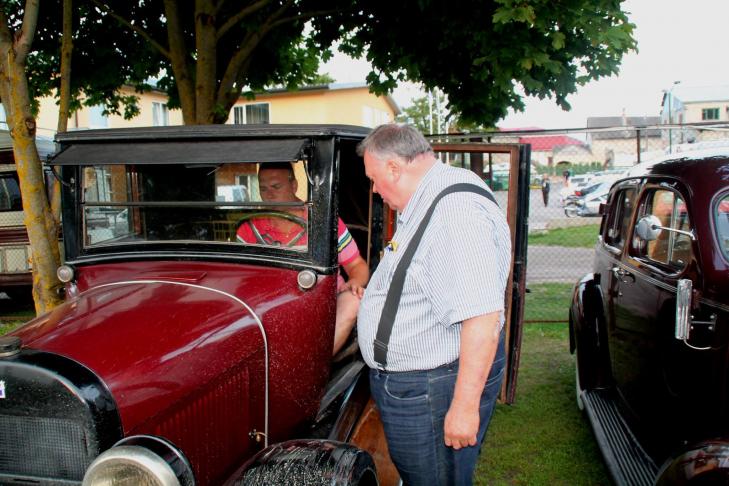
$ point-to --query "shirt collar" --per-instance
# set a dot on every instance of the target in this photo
(419, 191)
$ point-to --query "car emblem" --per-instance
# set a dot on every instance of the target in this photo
(2, 389)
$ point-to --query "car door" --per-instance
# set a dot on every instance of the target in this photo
(659, 377)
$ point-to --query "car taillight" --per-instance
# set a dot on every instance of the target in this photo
(578, 193)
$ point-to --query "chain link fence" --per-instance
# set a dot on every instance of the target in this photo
(576, 163)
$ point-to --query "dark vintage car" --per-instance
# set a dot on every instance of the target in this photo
(182, 354)
(650, 326)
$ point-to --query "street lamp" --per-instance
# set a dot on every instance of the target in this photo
(670, 116)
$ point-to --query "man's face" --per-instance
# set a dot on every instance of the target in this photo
(277, 185)
(383, 180)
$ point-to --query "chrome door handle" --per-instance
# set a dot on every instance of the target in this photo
(621, 275)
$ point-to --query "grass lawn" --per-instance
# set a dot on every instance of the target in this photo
(543, 438)
(576, 236)
(10, 318)
(548, 302)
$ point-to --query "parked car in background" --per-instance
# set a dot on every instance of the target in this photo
(587, 201)
(16, 279)
(184, 356)
(649, 327)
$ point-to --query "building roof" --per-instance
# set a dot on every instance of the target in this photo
(623, 121)
(332, 87)
(700, 94)
(547, 143)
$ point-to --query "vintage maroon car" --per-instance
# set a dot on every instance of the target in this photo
(183, 355)
(650, 326)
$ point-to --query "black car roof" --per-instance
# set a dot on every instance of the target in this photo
(211, 132)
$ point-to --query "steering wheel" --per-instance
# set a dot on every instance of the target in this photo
(273, 214)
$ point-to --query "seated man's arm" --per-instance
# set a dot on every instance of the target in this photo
(358, 274)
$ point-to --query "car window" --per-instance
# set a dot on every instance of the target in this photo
(671, 249)
(619, 217)
(722, 224)
(244, 204)
(10, 192)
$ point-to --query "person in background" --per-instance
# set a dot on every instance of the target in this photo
(277, 183)
(436, 377)
(545, 189)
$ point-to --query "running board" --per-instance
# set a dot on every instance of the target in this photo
(626, 460)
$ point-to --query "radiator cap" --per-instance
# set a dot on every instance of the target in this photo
(10, 346)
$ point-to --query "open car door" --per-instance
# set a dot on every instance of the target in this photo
(513, 162)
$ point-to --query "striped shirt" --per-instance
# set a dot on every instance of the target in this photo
(459, 271)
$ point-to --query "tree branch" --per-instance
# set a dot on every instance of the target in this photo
(27, 32)
(230, 23)
(106, 9)
(304, 16)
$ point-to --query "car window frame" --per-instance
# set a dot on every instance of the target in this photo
(610, 217)
(634, 250)
(718, 198)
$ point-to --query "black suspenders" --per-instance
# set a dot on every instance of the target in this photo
(389, 311)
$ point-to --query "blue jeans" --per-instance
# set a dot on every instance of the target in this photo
(413, 406)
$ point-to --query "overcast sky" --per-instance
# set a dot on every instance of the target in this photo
(678, 40)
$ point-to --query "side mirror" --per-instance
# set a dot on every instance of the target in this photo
(683, 308)
(648, 228)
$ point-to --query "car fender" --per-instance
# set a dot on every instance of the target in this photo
(706, 462)
(586, 303)
(308, 461)
(588, 335)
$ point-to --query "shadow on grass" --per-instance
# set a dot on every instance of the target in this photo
(543, 438)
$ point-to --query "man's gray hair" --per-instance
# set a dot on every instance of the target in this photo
(394, 139)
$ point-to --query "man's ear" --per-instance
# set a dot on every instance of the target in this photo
(393, 169)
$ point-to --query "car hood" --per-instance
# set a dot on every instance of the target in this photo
(154, 341)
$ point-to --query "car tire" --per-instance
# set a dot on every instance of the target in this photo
(570, 210)
(310, 462)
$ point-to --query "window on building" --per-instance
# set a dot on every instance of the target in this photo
(251, 113)
(97, 118)
(710, 114)
(3, 117)
(160, 114)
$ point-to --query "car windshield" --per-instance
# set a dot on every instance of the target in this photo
(722, 224)
(243, 204)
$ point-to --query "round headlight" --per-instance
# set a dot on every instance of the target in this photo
(65, 273)
(130, 466)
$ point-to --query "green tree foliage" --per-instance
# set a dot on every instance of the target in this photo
(485, 55)
(429, 115)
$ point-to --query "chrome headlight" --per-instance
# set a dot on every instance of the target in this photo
(140, 461)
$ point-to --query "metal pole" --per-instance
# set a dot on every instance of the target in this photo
(637, 141)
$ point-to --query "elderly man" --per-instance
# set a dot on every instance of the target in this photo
(431, 318)
(276, 183)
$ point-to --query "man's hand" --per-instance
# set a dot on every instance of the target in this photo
(461, 427)
(354, 287)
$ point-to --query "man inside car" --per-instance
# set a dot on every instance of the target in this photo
(277, 183)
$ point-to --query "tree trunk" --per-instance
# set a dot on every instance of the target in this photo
(64, 99)
(42, 230)
(39, 222)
